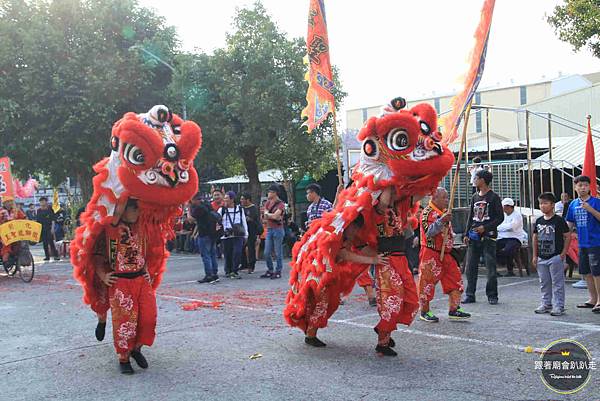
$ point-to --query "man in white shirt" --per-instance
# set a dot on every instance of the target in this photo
(510, 235)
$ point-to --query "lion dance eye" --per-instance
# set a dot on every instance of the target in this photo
(425, 129)
(397, 140)
(133, 154)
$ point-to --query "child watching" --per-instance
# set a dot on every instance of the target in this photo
(551, 239)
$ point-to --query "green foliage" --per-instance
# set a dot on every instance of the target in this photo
(253, 92)
(66, 74)
(578, 23)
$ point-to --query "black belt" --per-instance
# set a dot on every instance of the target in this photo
(392, 245)
(130, 275)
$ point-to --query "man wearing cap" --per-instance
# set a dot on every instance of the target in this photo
(274, 211)
(510, 235)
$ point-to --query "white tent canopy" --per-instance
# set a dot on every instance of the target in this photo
(264, 177)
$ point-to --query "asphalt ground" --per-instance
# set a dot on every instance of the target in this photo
(206, 335)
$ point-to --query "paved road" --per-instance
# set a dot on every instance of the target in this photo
(48, 350)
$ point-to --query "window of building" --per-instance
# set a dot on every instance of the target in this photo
(478, 113)
(436, 103)
(523, 91)
(364, 115)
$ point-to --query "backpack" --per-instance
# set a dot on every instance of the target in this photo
(216, 218)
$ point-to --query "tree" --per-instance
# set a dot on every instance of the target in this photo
(578, 23)
(253, 92)
(67, 74)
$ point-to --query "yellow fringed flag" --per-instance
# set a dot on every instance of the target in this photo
(461, 101)
(55, 202)
(319, 76)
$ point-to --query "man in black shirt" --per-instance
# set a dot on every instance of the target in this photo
(481, 233)
(45, 216)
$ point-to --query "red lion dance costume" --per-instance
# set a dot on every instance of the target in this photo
(401, 151)
(152, 162)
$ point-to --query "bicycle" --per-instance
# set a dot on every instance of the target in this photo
(21, 260)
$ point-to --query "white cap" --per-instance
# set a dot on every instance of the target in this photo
(508, 202)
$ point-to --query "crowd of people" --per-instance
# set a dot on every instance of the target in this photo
(238, 231)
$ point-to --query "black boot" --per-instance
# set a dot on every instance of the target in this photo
(314, 341)
(391, 343)
(385, 350)
(139, 359)
(100, 330)
(126, 368)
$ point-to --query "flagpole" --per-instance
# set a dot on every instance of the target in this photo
(455, 180)
(336, 141)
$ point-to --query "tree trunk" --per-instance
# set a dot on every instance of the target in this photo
(251, 165)
(85, 183)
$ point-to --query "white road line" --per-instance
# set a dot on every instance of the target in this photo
(441, 298)
(370, 327)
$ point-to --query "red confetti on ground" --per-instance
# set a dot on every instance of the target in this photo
(194, 305)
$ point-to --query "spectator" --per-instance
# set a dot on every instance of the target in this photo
(484, 218)
(274, 210)
(217, 202)
(551, 239)
(318, 204)
(60, 218)
(78, 216)
(510, 236)
(206, 233)
(235, 234)
(561, 207)
(474, 169)
(584, 213)
(45, 217)
(255, 229)
(31, 212)
(183, 234)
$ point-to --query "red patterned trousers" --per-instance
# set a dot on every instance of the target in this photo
(431, 271)
(133, 310)
(397, 300)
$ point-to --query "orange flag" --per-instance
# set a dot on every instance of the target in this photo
(461, 101)
(320, 79)
(589, 161)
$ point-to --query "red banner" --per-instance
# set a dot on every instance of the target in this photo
(589, 161)
(6, 180)
(319, 76)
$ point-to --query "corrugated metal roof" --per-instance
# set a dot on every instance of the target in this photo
(572, 152)
(480, 144)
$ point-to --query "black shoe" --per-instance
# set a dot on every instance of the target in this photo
(275, 276)
(468, 300)
(250, 270)
(206, 279)
(314, 342)
(46, 259)
(126, 368)
(100, 331)
(429, 317)
(391, 344)
(268, 274)
(214, 279)
(385, 350)
(235, 275)
(492, 301)
(458, 314)
(139, 359)
(57, 259)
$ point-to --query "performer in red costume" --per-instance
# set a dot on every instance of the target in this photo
(151, 161)
(9, 211)
(402, 155)
(353, 257)
(431, 268)
(120, 261)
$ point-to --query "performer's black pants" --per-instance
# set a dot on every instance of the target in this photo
(49, 244)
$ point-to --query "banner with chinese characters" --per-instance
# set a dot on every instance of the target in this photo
(6, 181)
(319, 97)
(20, 230)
